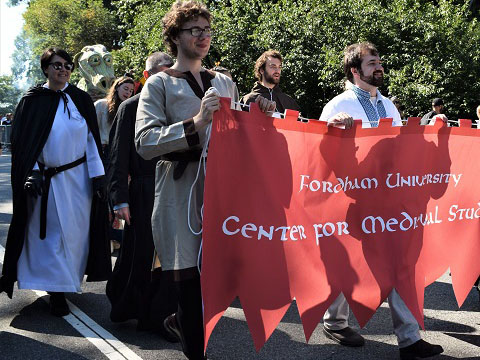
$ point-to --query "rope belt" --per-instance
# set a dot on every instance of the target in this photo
(48, 174)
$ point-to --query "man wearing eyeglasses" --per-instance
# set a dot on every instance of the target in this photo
(268, 69)
(173, 113)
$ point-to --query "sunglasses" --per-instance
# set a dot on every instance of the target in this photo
(58, 65)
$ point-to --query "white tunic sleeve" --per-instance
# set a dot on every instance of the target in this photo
(94, 161)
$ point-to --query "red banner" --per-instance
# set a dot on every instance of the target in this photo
(305, 211)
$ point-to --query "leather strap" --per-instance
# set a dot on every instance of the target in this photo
(48, 174)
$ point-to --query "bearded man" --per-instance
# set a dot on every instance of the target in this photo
(268, 69)
(363, 69)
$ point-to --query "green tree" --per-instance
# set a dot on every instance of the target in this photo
(429, 49)
(234, 45)
(9, 94)
(71, 24)
(143, 26)
(26, 65)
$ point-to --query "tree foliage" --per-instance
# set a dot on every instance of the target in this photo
(26, 64)
(70, 24)
(430, 48)
(143, 26)
(9, 94)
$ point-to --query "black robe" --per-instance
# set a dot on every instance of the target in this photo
(32, 123)
(132, 291)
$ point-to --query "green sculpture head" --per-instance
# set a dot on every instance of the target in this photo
(95, 64)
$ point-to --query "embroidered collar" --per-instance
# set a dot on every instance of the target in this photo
(374, 113)
(363, 93)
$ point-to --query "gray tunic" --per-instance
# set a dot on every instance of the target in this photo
(164, 127)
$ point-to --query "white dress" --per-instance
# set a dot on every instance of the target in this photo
(58, 262)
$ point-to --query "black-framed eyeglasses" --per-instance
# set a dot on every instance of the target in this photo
(58, 65)
(197, 31)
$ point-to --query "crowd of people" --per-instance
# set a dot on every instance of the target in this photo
(138, 155)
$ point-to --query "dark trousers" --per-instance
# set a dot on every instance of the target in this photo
(190, 316)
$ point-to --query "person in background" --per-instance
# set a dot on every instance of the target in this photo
(121, 90)
(222, 70)
(268, 69)
(9, 119)
(136, 289)
(106, 109)
(57, 232)
(400, 107)
(438, 110)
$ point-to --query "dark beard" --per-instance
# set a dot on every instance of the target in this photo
(372, 79)
(270, 79)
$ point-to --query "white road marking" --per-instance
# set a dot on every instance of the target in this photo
(104, 341)
(2, 253)
(114, 349)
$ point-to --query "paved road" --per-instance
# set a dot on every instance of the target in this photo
(27, 331)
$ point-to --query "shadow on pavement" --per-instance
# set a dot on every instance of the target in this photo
(440, 296)
(471, 339)
(18, 347)
(239, 345)
(98, 307)
(36, 318)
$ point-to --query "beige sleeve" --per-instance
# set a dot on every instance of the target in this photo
(155, 135)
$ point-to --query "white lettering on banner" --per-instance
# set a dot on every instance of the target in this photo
(463, 214)
(372, 224)
(393, 180)
(399, 180)
(328, 229)
(342, 185)
(232, 227)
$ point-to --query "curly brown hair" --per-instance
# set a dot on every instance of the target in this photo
(113, 101)
(261, 61)
(180, 13)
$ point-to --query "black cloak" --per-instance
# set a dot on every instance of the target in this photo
(134, 291)
(32, 123)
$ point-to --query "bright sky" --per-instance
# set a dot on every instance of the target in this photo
(11, 22)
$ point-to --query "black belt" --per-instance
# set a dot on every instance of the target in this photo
(182, 158)
(48, 174)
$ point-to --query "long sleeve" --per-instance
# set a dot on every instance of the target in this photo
(120, 154)
(94, 161)
(101, 109)
(155, 133)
